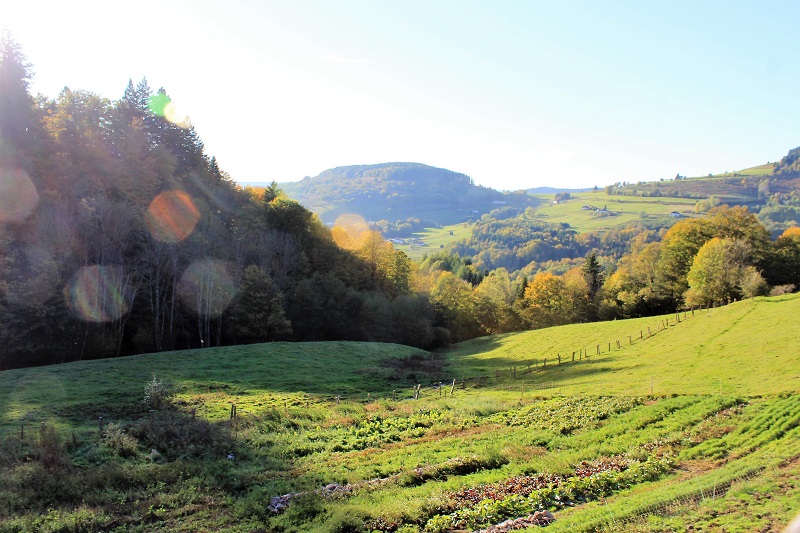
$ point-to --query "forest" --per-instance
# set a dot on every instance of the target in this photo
(120, 235)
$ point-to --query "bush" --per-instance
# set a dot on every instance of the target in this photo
(778, 290)
(50, 449)
(159, 394)
(116, 439)
(175, 435)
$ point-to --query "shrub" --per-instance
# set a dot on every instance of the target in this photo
(778, 290)
(50, 449)
(159, 394)
(121, 443)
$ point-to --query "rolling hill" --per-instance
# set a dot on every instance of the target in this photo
(639, 435)
(397, 191)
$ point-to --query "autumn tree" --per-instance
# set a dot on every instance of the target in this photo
(453, 301)
(718, 272)
(18, 117)
(493, 303)
(785, 261)
(546, 302)
(678, 249)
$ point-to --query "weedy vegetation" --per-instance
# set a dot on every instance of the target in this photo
(697, 422)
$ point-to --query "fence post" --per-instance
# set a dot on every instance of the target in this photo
(598, 349)
(394, 395)
(453, 388)
(559, 359)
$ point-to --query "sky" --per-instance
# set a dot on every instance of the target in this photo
(515, 94)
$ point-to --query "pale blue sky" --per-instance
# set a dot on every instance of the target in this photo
(515, 94)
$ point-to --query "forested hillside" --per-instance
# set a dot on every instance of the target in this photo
(772, 191)
(394, 192)
(119, 234)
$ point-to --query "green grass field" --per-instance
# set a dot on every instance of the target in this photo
(436, 239)
(627, 209)
(697, 422)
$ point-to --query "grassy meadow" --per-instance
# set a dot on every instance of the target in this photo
(627, 209)
(435, 239)
(695, 422)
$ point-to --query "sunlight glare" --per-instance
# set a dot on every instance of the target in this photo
(349, 231)
(207, 288)
(172, 216)
(98, 293)
(18, 196)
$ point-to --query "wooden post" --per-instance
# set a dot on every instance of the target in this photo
(453, 388)
(559, 359)
(440, 389)
(641, 336)
(573, 357)
(337, 400)
(369, 397)
(617, 344)
(630, 340)
(100, 424)
(514, 373)
(598, 349)
(463, 383)
(394, 395)
(609, 346)
(545, 362)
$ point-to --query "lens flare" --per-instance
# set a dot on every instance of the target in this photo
(36, 279)
(18, 196)
(172, 114)
(99, 293)
(206, 287)
(161, 104)
(349, 231)
(172, 216)
(157, 103)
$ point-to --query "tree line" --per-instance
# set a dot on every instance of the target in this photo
(119, 235)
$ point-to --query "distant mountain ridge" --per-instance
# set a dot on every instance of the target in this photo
(396, 191)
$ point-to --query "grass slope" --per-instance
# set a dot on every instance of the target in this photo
(626, 208)
(746, 348)
(584, 439)
(255, 377)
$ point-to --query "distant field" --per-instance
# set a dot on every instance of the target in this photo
(435, 239)
(626, 209)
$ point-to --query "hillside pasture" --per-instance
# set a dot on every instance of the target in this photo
(637, 438)
(435, 239)
(621, 210)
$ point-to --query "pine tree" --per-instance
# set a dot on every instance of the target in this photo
(18, 124)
